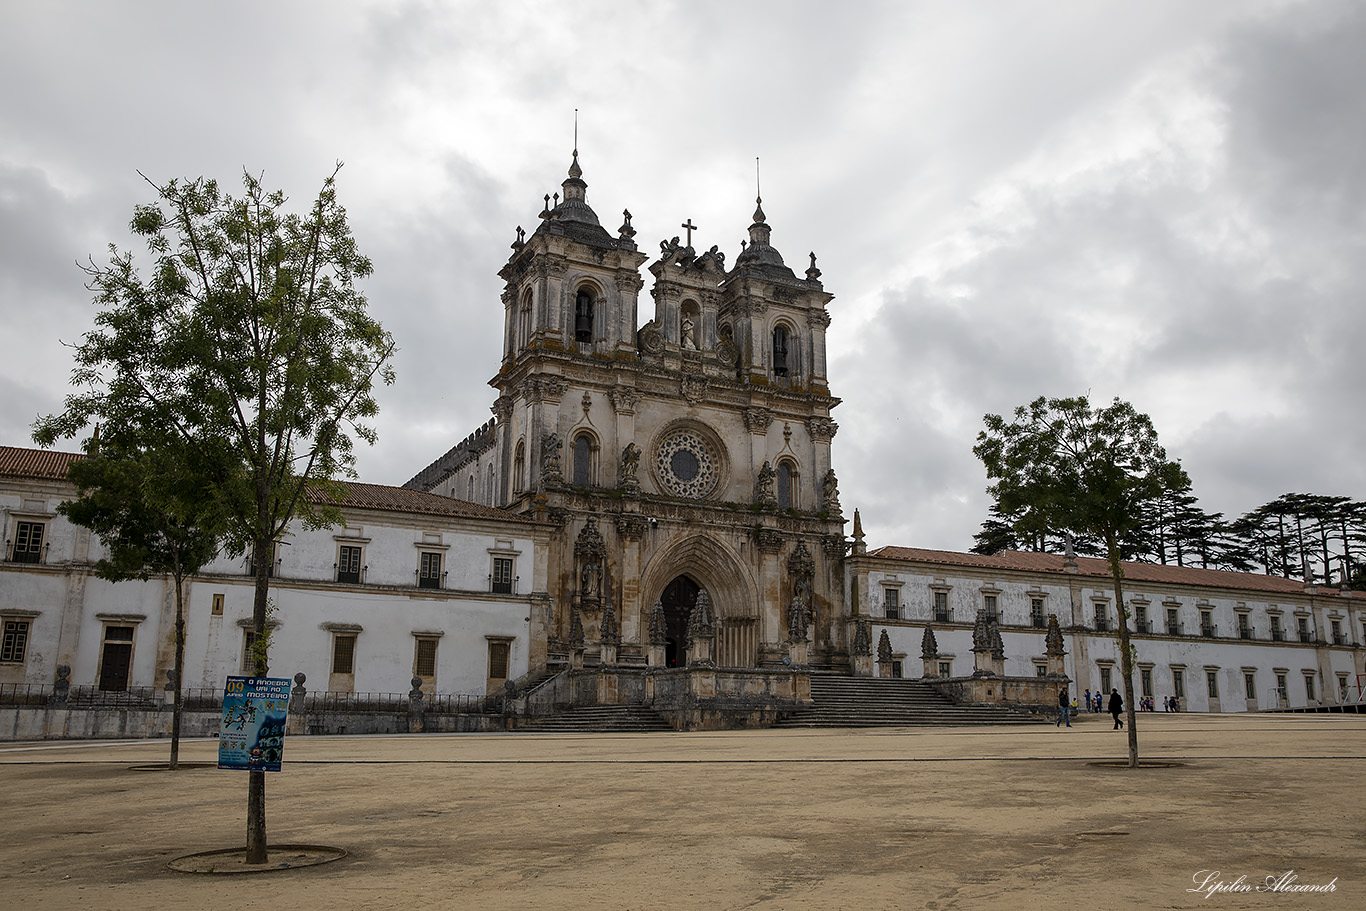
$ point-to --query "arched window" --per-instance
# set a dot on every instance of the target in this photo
(583, 315)
(583, 461)
(787, 485)
(519, 468)
(470, 497)
(782, 358)
(489, 494)
(524, 321)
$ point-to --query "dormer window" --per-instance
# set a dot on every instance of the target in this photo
(583, 316)
(780, 360)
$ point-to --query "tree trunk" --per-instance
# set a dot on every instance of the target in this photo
(178, 706)
(1126, 664)
(264, 556)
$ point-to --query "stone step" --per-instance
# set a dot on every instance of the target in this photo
(598, 718)
(883, 702)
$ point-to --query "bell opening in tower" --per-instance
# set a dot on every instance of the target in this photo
(583, 316)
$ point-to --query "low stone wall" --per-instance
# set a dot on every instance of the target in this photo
(1034, 694)
(27, 722)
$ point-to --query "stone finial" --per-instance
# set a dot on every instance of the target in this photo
(859, 547)
(611, 632)
(699, 620)
(998, 649)
(1069, 563)
(929, 648)
(626, 230)
(981, 632)
(575, 629)
(659, 627)
(884, 648)
(863, 637)
(812, 273)
(1053, 638)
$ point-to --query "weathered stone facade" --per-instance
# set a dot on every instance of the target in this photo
(688, 456)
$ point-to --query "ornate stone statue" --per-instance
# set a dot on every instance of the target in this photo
(630, 464)
(763, 486)
(799, 611)
(830, 487)
(588, 580)
(550, 457)
(689, 341)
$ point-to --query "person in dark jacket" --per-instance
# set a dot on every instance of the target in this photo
(1116, 706)
(1064, 708)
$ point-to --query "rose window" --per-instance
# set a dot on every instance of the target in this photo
(686, 465)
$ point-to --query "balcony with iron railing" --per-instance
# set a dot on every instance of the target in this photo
(1246, 632)
(1175, 628)
(1209, 630)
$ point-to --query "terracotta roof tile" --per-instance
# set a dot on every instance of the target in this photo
(16, 462)
(1092, 567)
(405, 499)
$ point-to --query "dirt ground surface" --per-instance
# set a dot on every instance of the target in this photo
(897, 818)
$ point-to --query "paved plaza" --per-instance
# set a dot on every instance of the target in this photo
(833, 819)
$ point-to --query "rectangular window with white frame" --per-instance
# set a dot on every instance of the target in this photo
(1212, 684)
(429, 570)
(349, 564)
(1036, 616)
(1309, 687)
(501, 576)
(1105, 674)
(28, 541)
(941, 607)
(891, 603)
(14, 645)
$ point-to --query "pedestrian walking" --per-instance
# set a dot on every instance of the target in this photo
(1087, 699)
(1116, 706)
(1064, 708)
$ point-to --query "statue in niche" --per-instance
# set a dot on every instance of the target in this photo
(589, 578)
(550, 456)
(830, 486)
(799, 613)
(630, 463)
(689, 340)
(763, 486)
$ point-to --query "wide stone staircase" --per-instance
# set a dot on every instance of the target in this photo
(861, 702)
(607, 719)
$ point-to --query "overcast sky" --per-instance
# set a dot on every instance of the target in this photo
(1161, 201)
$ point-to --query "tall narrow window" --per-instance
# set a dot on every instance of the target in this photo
(499, 653)
(1036, 613)
(989, 604)
(1105, 680)
(1178, 683)
(1146, 676)
(583, 316)
(1276, 634)
(780, 353)
(429, 570)
(1102, 618)
(786, 485)
(524, 322)
(941, 607)
(1303, 623)
(344, 653)
(248, 648)
(1250, 685)
(424, 660)
(519, 468)
(348, 564)
(1309, 687)
(583, 461)
(891, 602)
(502, 575)
(1212, 683)
(28, 542)
(488, 489)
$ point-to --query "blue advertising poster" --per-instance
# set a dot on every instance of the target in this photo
(253, 733)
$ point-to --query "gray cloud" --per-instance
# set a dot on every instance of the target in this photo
(1159, 201)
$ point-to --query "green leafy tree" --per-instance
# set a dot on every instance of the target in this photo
(249, 340)
(155, 512)
(1089, 471)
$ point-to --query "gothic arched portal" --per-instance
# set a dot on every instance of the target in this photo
(678, 599)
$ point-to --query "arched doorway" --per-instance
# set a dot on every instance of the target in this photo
(678, 599)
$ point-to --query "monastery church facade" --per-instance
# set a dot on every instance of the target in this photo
(691, 455)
